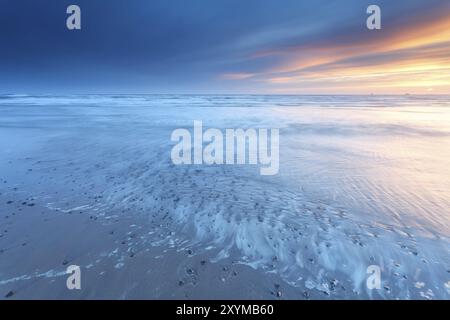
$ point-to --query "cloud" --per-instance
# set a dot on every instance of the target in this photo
(413, 56)
(292, 46)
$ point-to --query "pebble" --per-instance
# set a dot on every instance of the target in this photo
(190, 271)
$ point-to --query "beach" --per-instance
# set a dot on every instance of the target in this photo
(88, 180)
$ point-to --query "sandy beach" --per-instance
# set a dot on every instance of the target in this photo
(88, 181)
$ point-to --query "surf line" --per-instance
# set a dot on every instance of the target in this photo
(240, 146)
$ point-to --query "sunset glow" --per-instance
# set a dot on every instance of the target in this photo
(412, 58)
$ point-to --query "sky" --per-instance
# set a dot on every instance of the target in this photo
(225, 46)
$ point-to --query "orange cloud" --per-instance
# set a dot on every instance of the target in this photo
(413, 58)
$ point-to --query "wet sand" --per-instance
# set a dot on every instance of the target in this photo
(37, 245)
(93, 186)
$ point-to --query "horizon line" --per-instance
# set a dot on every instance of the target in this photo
(228, 94)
